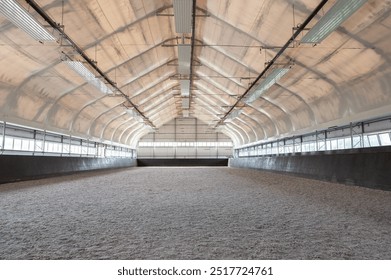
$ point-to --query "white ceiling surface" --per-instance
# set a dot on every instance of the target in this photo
(347, 77)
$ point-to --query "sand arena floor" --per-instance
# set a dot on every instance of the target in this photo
(192, 213)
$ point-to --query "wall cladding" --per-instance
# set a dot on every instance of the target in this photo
(17, 168)
(184, 130)
(182, 162)
(362, 167)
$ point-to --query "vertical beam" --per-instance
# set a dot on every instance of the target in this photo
(154, 139)
(325, 140)
(217, 146)
(81, 147)
(44, 142)
(351, 135)
(96, 146)
(35, 141)
(88, 146)
(62, 144)
(3, 140)
(362, 135)
(70, 144)
(196, 137)
(175, 138)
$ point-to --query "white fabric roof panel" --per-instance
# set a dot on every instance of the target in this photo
(345, 78)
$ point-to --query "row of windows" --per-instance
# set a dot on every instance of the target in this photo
(357, 141)
(185, 144)
(15, 144)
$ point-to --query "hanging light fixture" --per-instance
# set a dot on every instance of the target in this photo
(184, 58)
(182, 15)
(185, 88)
(22, 19)
(334, 17)
(185, 103)
(269, 81)
(86, 74)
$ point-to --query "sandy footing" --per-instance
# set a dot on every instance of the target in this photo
(192, 213)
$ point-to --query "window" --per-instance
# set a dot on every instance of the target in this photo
(366, 141)
(321, 145)
(356, 142)
(334, 144)
(335, 140)
(341, 144)
(385, 139)
(22, 140)
(373, 140)
(26, 145)
(9, 143)
(348, 143)
(17, 144)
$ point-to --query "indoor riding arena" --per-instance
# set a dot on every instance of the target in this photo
(195, 129)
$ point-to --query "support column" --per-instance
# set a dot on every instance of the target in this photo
(70, 144)
(196, 138)
(3, 140)
(62, 144)
(44, 142)
(351, 136)
(362, 135)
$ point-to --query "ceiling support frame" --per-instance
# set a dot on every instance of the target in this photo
(280, 52)
(92, 63)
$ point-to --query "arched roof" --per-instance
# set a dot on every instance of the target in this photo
(133, 49)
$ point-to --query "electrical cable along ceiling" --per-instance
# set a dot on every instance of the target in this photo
(254, 70)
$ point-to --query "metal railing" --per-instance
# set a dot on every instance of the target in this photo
(373, 133)
(19, 140)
